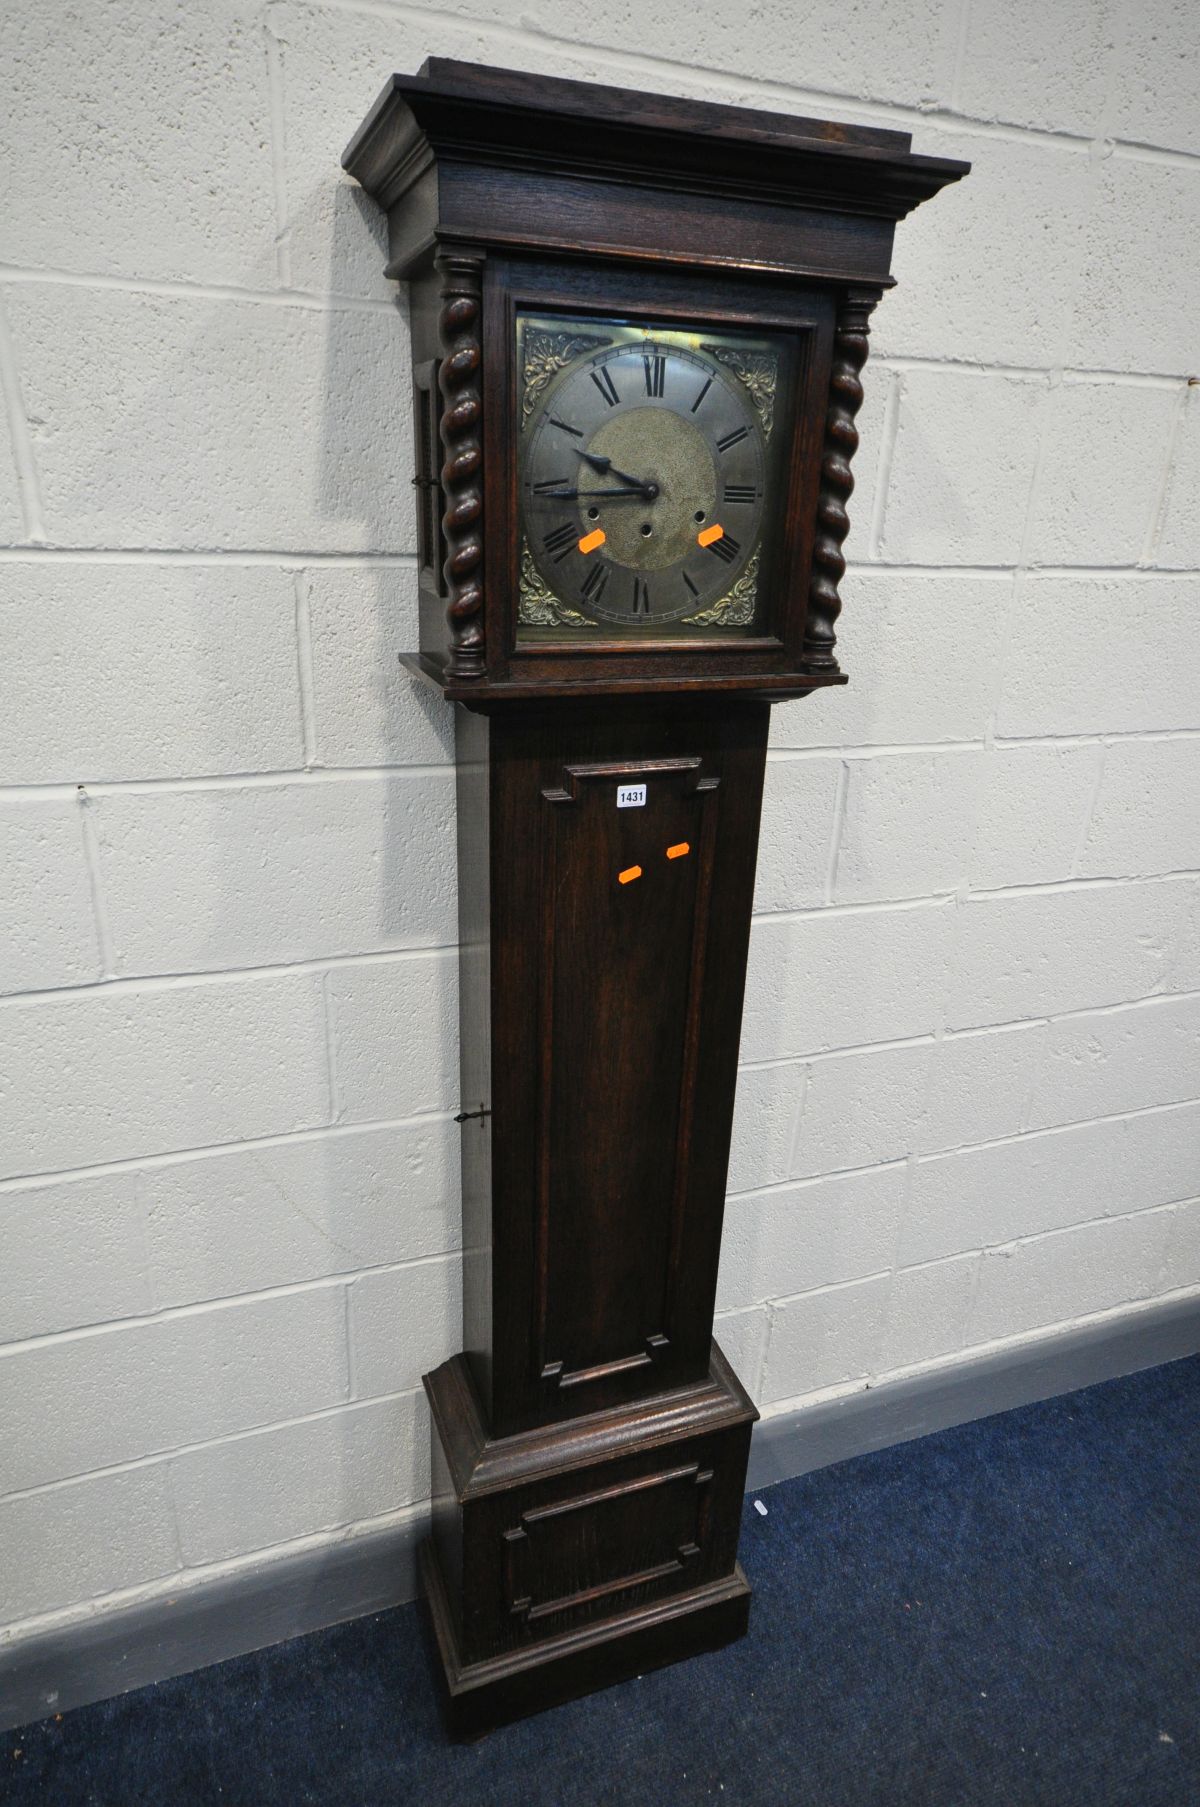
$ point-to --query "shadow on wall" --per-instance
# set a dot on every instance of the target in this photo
(284, 873)
(377, 1200)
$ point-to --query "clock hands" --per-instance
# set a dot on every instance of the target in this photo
(605, 465)
(647, 492)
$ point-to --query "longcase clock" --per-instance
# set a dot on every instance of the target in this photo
(638, 327)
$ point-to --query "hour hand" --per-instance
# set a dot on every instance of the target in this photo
(599, 463)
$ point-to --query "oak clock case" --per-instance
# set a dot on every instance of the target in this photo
(638, 327)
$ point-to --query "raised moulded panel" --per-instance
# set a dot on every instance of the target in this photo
(626, 895)
(576, 1552)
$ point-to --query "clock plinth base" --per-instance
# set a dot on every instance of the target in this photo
(574, 1555)
(479, 1697)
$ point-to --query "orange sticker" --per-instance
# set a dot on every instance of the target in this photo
(709, 535)
(677, 852)
(590, 541)
(630, 873)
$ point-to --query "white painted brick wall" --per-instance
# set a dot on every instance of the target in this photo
(47, 924)
(1182, 1267)
(952, 303)
(1021, 954)
(133, 195)
(1108, 1061)
(147, 671)
(962, 464)
(366, 711)
(823, 1339)
(229, 1197)
(1147, 811)
(74, 1254)
(1103, 442)
(246, 1219)
(319, 1474)
(251, 874)
(1101, 655)
(980, 1083)
(403, 1321)
(1181, 505)
(861, 1108)
(889, 621)
(104, 1397)
(102, 1075)
(394, 1032)
(97, 1536)
(214, 426)
(840, 978)
(797, 1237)
(1123, 245)
(928, 1312)
(909, 823)
(1034, 806)
(1088, 1269)
(12, 523)
(769, 1101)
(1013, 67)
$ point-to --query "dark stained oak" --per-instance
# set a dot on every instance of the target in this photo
(477, 1697)
(590, 1443)
(459, 328)
(515, 122)
(837, 479)
(570, 1556)
(613, 1013)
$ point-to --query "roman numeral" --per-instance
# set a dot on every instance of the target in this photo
(641, 596)
(564, 428)
(732, 439)
(740, 492)
(702, 395)
(691, 586)
(594, 582)
(552, 483)
(559, 541)
(726, 548)
(604, 383)
(656, 374)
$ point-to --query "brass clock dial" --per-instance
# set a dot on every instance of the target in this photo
(644, 478)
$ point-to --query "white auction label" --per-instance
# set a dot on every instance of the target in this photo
(631, 796)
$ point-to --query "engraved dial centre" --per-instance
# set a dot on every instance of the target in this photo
(672, 453)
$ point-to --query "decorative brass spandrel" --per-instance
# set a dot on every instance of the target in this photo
(539, 607)
(736, 607)
(758, 370)
(545, 354)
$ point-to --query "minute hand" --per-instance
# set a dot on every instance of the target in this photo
(571, 495)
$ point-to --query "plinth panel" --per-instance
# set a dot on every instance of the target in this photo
(481, 1695)
(477, 1697)
(553, 1542)
(637, 1534)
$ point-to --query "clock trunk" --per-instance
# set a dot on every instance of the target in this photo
(602, 978)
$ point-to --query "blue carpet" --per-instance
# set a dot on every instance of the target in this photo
(1004, 1613)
